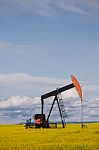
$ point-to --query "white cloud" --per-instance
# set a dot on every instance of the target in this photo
(72, 6)
(70, 93)
(24, 84)
(18, 108)
(25, 79)
(11, 48)
(46, 7)
(92, 88)
(17, 101)
(42, 7)
(43, 84)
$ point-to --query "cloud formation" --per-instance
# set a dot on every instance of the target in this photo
(47, 7)
(27, 85)
(21, 49)
(18, 102)
(25, 103)
(17, 109)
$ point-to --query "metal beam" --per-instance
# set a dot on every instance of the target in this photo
(51, 108)
(57, 91)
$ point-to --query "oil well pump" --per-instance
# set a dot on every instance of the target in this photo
(40, 119)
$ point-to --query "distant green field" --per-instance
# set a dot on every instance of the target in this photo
(16, 137)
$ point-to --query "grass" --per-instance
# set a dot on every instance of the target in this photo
(16, 137)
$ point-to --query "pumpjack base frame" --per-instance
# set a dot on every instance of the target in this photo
(55, 94)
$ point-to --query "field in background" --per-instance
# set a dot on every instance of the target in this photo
(16, 137)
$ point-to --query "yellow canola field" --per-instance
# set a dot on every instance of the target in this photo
(16, 137)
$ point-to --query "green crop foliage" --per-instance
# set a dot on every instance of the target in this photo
(16, 137)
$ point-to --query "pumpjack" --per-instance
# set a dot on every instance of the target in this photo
(40, 120)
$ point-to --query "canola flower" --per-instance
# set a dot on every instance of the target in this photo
(16, 137)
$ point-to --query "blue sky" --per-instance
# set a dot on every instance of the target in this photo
(43, 42)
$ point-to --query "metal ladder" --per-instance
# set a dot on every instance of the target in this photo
(62, 107)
